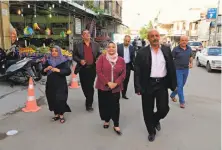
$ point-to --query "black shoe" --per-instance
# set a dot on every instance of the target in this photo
(89, 109)
(151, 137)
(117, 132)
(106, 126)
(124, 97)
(158, 126)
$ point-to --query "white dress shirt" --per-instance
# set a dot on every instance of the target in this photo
(158, 68)
(126, 54)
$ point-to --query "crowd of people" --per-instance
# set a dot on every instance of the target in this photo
(156, 69)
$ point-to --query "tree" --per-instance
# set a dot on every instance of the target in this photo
(143, 31)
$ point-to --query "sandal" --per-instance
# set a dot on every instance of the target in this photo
(55, 118)
(62, 120)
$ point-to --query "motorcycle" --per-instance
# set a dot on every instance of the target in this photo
(18, 71)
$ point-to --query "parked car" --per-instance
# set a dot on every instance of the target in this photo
(195, 46)
(210, 57)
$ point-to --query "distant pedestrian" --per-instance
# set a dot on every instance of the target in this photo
(154, 73)
(219, 44)
(183, 59)
(143, 43)
(56, 68)
(111, 71)
(85, 54)
(126, 51)
(139, 44)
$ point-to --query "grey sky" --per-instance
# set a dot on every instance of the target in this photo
(136, 13)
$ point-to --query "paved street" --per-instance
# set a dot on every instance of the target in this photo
(195, 128)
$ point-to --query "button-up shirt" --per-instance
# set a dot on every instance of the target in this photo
(126, 55)
(158, 68)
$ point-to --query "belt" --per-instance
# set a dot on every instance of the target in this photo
(157, 79)
(90, 66)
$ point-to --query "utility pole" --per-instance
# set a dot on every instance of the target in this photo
(5, 40)
(215, 35)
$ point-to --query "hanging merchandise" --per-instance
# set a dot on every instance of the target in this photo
(28, 31)
(48, 31)
(68, 32)
(62, 34)
(36, 26)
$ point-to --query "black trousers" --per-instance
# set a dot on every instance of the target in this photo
(126, 81)
(87, 77)
(58, 113)
(109, 107)
(160, 93)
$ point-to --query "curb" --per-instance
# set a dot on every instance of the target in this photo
(40, 102)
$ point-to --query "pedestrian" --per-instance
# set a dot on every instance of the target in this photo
(154, 73)
(126, 51)
(85, 54)
(183, 60)
(111, 71)
(219, 43)
(56, 68)
(139, 44)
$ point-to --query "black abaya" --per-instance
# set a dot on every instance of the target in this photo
(57, 88)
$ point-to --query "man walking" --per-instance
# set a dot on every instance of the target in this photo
(154, 73)
(126, 51)
(183, 59)
(85, 54)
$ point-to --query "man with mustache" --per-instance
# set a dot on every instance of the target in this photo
(154, 73)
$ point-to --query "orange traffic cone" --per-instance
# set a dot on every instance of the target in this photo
(31, 105)
(74, 82)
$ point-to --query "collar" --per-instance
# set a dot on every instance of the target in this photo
(182, 48)
(152, 48)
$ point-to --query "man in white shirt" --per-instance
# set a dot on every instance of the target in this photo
(154, 73)
(126, 51)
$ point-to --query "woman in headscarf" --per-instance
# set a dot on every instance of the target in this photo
(56, 68)
(111, 72)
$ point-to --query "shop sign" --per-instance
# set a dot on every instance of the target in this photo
(78, 26)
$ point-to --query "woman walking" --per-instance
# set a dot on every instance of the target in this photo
(111, 72)
(56, 68)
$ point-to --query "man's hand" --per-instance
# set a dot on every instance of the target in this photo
(48, 68)
(55, 70)
(82, 62)
(190, 65)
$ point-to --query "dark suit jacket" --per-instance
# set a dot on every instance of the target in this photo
(78, 53)
(120, 49)
(142, 69)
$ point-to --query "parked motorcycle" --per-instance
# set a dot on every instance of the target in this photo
(18, 71)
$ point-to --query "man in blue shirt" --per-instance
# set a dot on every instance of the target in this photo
(183, 60)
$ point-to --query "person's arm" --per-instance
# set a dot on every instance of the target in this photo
(174, 53)
(173, 71)
(75, 54)
(137, 74)
(191, 60)
(99, 68)
(44, 67)
(122, 75)
(65, 71)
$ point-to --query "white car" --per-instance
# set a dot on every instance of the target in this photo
(210, 57)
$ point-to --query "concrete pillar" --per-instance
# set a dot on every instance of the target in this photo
(5, 40)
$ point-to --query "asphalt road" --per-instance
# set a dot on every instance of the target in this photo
(197, 127)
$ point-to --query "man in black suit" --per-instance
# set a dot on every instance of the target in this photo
(154, 73)
(85, 54)
(126, 51)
